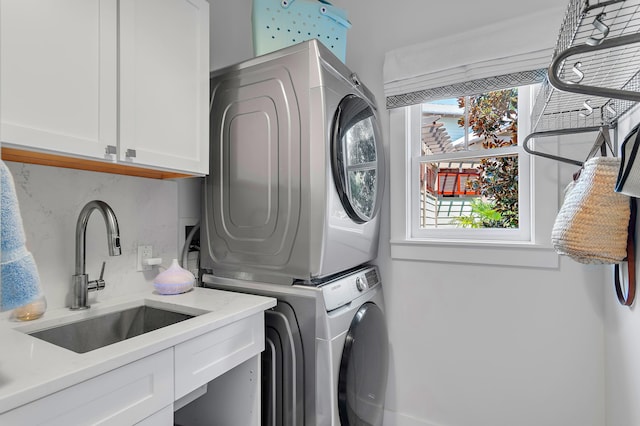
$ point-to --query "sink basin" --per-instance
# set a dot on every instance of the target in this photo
(103, 330)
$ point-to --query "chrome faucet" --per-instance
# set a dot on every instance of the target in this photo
(81, 283)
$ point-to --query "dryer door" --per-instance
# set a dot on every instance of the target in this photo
(356, 158)
(362, 380)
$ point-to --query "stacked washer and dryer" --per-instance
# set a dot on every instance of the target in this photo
(291, 211)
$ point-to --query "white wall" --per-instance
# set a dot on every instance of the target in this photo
(470, 345)
(230, 40)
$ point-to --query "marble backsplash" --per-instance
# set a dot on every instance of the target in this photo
(50, 200)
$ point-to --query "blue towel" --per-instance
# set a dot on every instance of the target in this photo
(19, 280)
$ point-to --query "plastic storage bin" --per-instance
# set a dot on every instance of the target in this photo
(282, 23)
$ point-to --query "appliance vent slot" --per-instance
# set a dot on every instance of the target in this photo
(372, 277)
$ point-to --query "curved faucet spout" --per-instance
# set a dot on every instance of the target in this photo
(81, 279)
(113, 232)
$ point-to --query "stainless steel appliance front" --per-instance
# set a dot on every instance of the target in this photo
(297, 168)
(326, 354)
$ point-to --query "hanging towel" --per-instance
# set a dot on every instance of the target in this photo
(19, 279)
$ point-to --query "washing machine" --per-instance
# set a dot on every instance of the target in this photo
(297, 168)
(326, 355)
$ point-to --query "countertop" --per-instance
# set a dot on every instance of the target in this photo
(31, 368)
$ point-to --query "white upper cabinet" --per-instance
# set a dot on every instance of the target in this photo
(72, 85)
(58, 75)
(164, 83)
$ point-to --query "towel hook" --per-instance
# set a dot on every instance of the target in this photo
(579, 74)
(587, 107)
(601, 27)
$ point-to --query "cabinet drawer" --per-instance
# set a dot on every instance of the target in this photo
(202, 359)
(123, 396)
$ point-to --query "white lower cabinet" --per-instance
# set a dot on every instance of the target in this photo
(215, 377)
(124, 396)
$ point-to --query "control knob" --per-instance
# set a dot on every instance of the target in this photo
(361, 284)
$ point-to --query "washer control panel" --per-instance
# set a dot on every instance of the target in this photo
(344, 289)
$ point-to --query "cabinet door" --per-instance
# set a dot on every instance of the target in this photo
(164, 84)
(58, 75)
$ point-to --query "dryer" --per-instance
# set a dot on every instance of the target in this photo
(326, 354)
(297, 168)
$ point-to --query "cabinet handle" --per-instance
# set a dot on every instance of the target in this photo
(131, 153)
(110, 149)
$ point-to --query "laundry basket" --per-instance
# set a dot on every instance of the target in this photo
(282, 23)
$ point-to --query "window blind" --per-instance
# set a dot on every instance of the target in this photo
(496, 56)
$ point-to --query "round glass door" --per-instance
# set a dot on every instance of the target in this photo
(357, 161)
(362, 380)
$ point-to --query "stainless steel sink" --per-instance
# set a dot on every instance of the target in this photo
(104, 330)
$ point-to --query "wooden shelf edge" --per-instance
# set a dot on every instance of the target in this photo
(54, 160)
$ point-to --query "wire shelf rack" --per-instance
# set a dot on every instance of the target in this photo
(594, 77)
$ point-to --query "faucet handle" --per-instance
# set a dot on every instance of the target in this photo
(99, 283)
(102, 271)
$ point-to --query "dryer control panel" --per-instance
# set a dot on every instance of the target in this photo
(344, 289)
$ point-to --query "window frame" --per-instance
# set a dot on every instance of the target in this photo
(523, 232)
(491, 246)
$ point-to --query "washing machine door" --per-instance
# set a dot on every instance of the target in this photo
(362, 380)
(357, 158)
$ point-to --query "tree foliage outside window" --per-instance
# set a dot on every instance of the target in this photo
(493, 117)
(483, 215)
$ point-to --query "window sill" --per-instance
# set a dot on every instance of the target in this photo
(521, 254)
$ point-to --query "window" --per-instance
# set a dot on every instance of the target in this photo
(460, 63)
(468, 179)
(445, 168)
